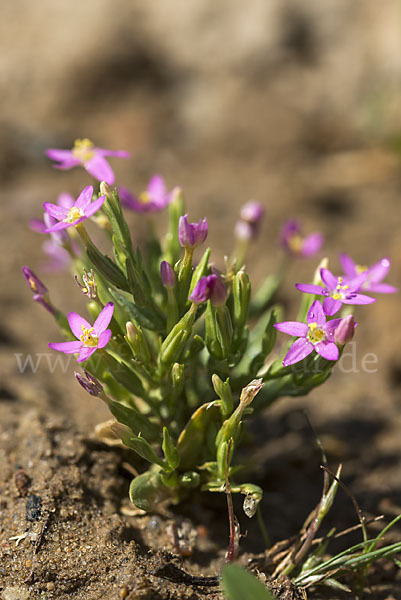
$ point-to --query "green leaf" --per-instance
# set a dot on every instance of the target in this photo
(138, 423)
(169, 450)
(144, 316)
(147, 491)
(107, 268)
(200, 270)
(239, 584)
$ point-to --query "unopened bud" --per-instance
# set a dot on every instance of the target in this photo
(210, 288)
(105, 189)
(243, 231)
(167, 274)
(89, 383)
(345, 330)
(35, 284)
(252, 212)
(191, 235)
(249, 392)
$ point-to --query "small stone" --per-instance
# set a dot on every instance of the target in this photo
(50, 586)
(33, 507)
(15, 593)
(22, 482)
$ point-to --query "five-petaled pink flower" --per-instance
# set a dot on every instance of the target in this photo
(82, 209)
(316, 335)
(90, 337)
(293, 242)
(374, 274)
(337, 291)
(85, 153)
(154, 199)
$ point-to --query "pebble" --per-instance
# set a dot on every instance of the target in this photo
(15, 593)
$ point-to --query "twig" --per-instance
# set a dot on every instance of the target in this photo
(232, 550)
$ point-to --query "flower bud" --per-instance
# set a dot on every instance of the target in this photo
(345, 330)
(210, 288)
(35, 284)
(105, 189)
(252, 212)
(192, 235)
(89, 383)
(249, 392)
(243, 231)
(167, 274)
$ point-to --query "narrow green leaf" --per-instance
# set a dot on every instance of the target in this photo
(239, 584)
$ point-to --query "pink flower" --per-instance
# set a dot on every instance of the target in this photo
(154, 199)
(81, 210)
(90, 337)
(315, 335)
(374, 274)
(337, 291)
(192, 235)
(85, 153)
(294, 243)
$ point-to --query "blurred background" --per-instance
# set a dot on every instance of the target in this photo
(295, 104)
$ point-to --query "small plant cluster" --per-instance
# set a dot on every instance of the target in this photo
(181, 351)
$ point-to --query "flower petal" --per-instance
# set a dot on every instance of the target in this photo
(156, 187)
(76, 322)
(329, 280)
(312, 244)
(300, 349)
(316, 313)
(103, 318)
(348, 266)
(104, 338)
(59, 155)
(67, 164)
(100, 169)
(328, 350)
(67, 347)
(293, 328)
(58, 226)
(117, 153)
(84, 197)
(37, 225)
(379, 271)
(85, 353)
(380, 288)
(66, 200)
(330, 328)
(58, 212)
(309, 288)
(358, 299)
(331, 306)
(357, 282)
(94, 207)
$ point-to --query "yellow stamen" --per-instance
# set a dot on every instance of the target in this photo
(32, 285)
(361, 269)
(144, 198)
(73, 215)
(87, 338)
(296, 243)
(315, 333)
(83, 150)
